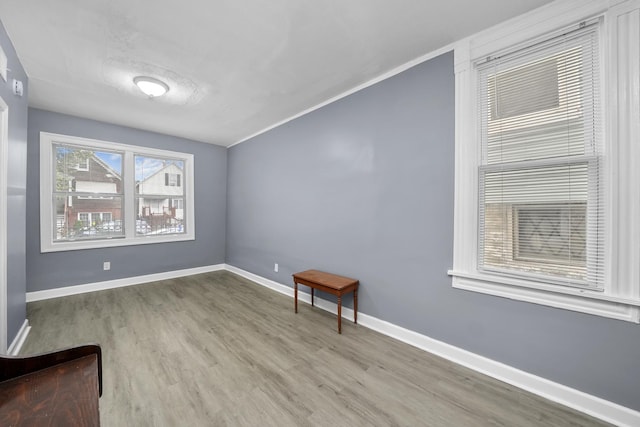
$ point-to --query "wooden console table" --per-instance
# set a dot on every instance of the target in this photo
(53, 389)
(331, 283)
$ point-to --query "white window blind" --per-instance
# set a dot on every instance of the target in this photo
(541, 210)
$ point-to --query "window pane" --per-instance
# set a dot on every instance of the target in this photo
(540, 108)
(88, 218)
(88, 193)
(159, 199)
(534, 220)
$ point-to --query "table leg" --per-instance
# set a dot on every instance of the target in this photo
(339, 314)
(312, 303)
(355, 305)
(295, 294)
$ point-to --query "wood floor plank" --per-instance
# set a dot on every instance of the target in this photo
(217, 349)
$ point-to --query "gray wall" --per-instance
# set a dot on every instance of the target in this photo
(364, 187)
(16, 192)
(58, 269)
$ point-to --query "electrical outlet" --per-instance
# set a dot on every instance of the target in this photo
(275, 267)
(18, 88)
(106, 265)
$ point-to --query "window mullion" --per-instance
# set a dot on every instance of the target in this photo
(128, 178)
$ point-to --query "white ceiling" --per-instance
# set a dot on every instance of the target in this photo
(235, 67)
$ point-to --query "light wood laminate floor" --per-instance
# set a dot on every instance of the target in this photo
(216, 349)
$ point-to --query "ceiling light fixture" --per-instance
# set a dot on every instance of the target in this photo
(150, 86)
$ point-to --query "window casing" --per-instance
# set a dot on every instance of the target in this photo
(102, 204)
(550, 222)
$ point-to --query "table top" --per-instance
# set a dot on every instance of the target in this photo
(326, 279)
(64, 394)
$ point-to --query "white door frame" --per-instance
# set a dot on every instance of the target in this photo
(4, 150)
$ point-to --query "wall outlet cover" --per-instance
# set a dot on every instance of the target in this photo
(18, 89)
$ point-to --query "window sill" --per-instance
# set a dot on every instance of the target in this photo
(584, 301)
(110, 243)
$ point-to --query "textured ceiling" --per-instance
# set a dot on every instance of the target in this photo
(235, 67)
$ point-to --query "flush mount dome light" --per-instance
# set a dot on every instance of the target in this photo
(150, 86)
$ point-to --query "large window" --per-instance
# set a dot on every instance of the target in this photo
(100, 194)
(545, 154)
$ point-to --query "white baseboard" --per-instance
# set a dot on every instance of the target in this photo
(567, 396)
(18, 341)
(118, 283)
(278, 287)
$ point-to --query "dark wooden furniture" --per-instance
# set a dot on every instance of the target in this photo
(52, 389)
(331, 283)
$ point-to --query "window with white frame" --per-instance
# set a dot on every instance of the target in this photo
(177, 203)
(541, 190)
(120, 200)
(542, 195)
(83, 164)
(159, 186)
(172, 179)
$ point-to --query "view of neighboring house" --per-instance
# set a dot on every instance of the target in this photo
(88, 196)
(160, 201)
